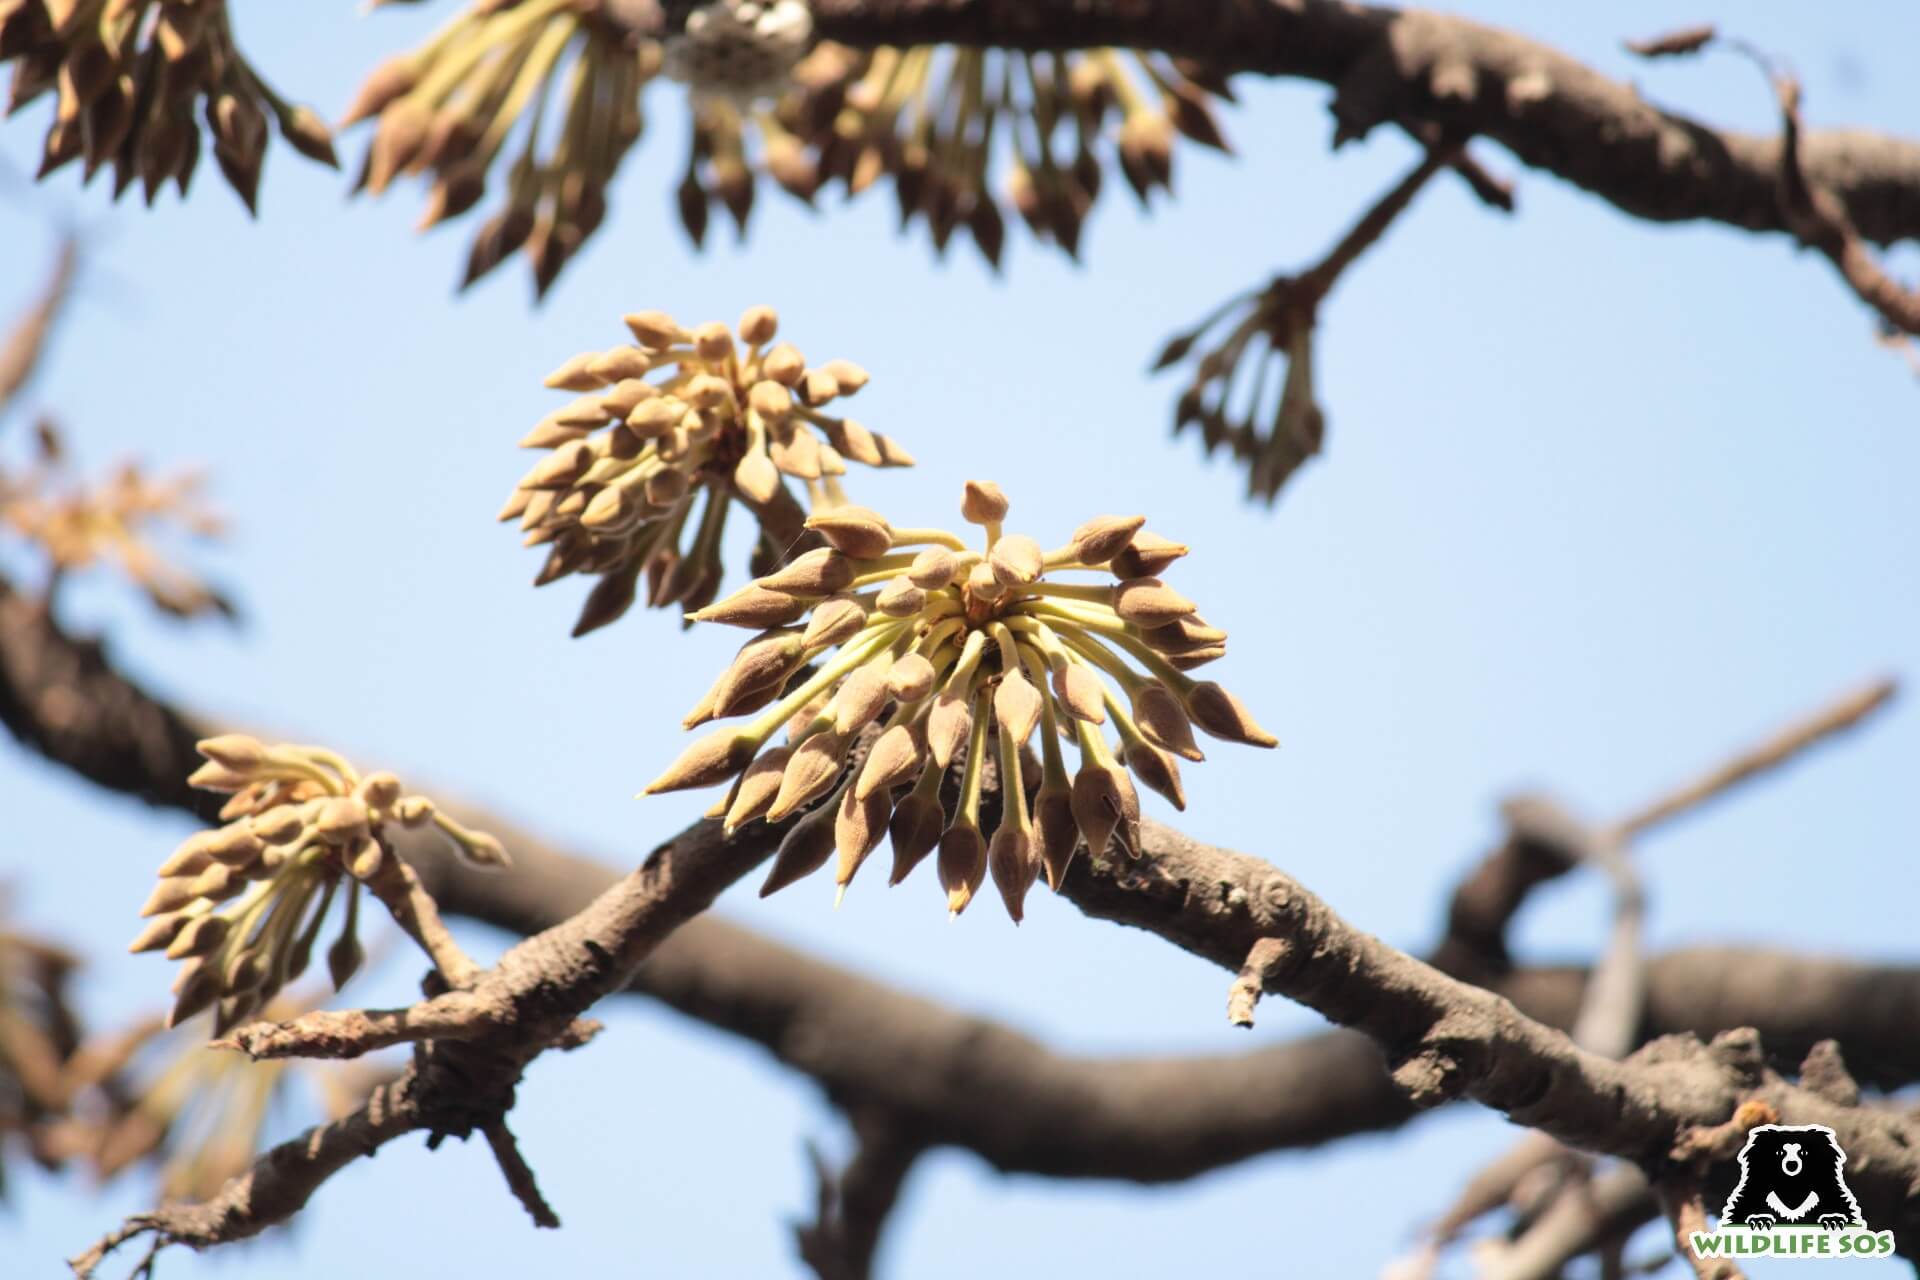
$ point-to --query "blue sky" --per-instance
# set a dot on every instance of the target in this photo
(1601, 501)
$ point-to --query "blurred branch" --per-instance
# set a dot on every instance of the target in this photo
(852, 1206)
(1490, 895)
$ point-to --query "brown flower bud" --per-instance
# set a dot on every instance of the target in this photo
(933, 568)
(914, 830)
(156, 933)
(235, 751)
(1224, 716)
(856, 531)
(1193, 658)
(198, 937)
(858, 825)
(380, 790)
(1080, 692)
(856, 442)
(804, 851)
(713, 342)
(213, 776)
(1097, 805)
(763, 662)
(770, 400)
(962, 863)
(169, 895)
(655, 416)
(818, 388)
(895, 756)
(627, 395)
(1104, 537)
(756, 478)
(340, 819)
(714, 758)
(621, 364)
(199, 990)
(860, 698)
(850, 376)
(1016, 705)
(983, 502)
(1055, 833)
(819, 572)
(758, 325)
(1147, 556)
(190, 859)
(811, 770)
(1010, 858)
(900, 598)
(1164, 721)
(1149, 602)
(753, 606)
(655, 329)
(343, 959)
(911, 678)
(758, 787)
(281, 824)
(834, 622)
(217, 883)
(784, 365)
(1015, 560)
(574, 374)
(948, 724)
(982, 585)
(1157, 769)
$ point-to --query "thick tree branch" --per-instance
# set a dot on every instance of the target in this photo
(971, 1083)
(1387, 65)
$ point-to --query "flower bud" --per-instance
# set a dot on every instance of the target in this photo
(714, 758)
(911, 678)
(758, 325)
(758, 787)
(1224, 716)
(962, 863)
(1016, 705)
(834, 622)
(235, 751)
(1104, 537)
(1147, 556)
(983, 502)
(856, 531)
(1010, 858)
(1055, 833)
(1164, 721)
(900, 598)
(804, 851)
(1015, 560)
(933, 568)
(811, 770)
(858, 825)
(1149, 602)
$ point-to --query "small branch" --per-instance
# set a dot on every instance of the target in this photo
(413, 909)
(1313, 284)
(506, 1153)
(852, 1208)
(278, 1184)
(349, 1033)
(1590, 1214)
(1781, 748)
(1683, 1202)
(1252, 980)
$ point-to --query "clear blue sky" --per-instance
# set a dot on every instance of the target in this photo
(1601, 500)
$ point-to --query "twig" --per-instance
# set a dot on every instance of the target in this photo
(520, 1180)
(1781, 748)
(851, 1209)
(1252, 980)
(20, 354)
(1681, 1199)
(413, 909)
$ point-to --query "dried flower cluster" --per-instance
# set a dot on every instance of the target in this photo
(489, 78)
(243, 904)
(38, 1036)
(954, 656)
(1232, 398)
(131, 76)
(201, 1112)
(938, 120)
(631, 458)
(77, 526)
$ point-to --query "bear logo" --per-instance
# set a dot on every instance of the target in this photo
(1790, 1176)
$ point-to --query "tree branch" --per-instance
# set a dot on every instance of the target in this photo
(1387, 65)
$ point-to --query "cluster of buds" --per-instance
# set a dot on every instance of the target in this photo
(243, 904)
(951, 656)
(937, 120)
(77, 526)
(740, 49)
(449, 107)
(129, 78)
(201, 1112)
(631, 458)
(1231, 398)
